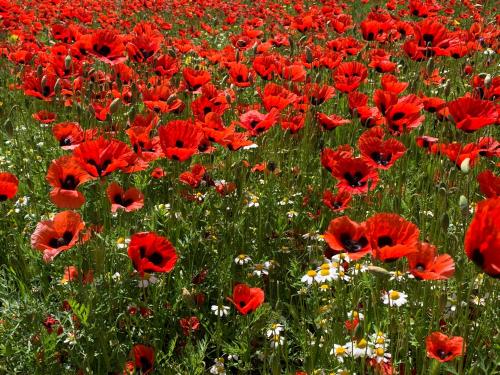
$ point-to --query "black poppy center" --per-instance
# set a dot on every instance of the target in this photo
(179, 143)
(103, 50)
(428, 38)
(45, 90)
(380, 158)
(420, 267)
(354, 180)
(351, 245)
(64, 240)
(65, 142)
(3, 197)
(69, 183)
(384, 241)
(145, 363)
(397, 116)
(156, 258)
(477, 257)
(118, 199)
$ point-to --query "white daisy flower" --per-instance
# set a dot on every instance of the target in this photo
(242, 259)
(394, 298)
(220, 310)
(310, 277)
(275, 329)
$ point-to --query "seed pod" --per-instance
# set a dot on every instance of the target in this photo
(67, 62)
(39, 71)
(43, 82)
(487, 81)
(463, 203)
(57, 86)
(171, 52)
(115, 104)
(309, 55)
(378, 270)
(465, 166)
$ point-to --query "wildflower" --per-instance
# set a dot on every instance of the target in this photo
(340, 352)
(277, 341)
(150, 252)
(397, 275)
(220, 310)
(218, 367)
(394, 298)
(311, 277)
(246, 299)
(260, 269)
(242, 259)
(146, 280)
(444, 348)
(275, 329)
(379, 354)
(358, 348)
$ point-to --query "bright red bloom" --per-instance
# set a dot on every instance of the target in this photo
(240, 75)
(189, 325)
(57, 235)
(150, 252)
(391, 236)
(194, 177)
(195, 78)
(130, 200)
(44, 117)
(69, 134)
(107, 46)
(330, 157)
(379, 153)
(331, 122)
(102, 156)
(256, 123)
(489, 184)
(180, 139)
(337, 202)
(425, 264)
(404, 116)
(345, 235)
(144, 358)
(8, 186)
(246, 299)
(482, 239)
(349, 75)
(471, 114)
(444, 348)
(355, 175)
(65, 175)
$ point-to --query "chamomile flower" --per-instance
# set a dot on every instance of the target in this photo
(146, 280)
(275, 329)
(340, 258)
(260, 269)
(218, 367)
(358, 268)
(326, 274)
(220, 310)
(394, 298)
(242, 259)
(122, 243)
(277, 341)
(339, 351)
(358, 348)
(378, 340)
(310, 277)
(343, 276)
(380, 355)
(324, 288)
(399, 276)
(355, 315)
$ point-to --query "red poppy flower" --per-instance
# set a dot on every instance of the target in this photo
(426, 142)
(65, 175)
(151, 253)
(337, 202)
(45, 117)
(57, 235)
(130, 200)
(390, 83)
(161, 98)
(489, 184)
(345, 235)
(240, 75)
(68, 134)
(267, 66)
(276, 96)
(194, 177)
(147, 148)
(246, 299)
(318, 94)
(444, 348)
(195, 78)
(144, 358)
(379, 153)
(458, 153)
(107, 46)
(293, 123)
(8, 186)
(331, 122)
(330, 157)
(355, 175)
(482, 239)
(189, 325)
(391, 236)
(40, 87)
(102, 156)
(145, 43)
(256, 123)
(404, 116)
(424, 264)
(472, 114)
(180, 139)
(349, 75)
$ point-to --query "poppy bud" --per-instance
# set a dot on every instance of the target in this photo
(57, 86)
(378, 270)
(447, 88)
(67, 62)
(228, 98)
(309, 55)
(39, 71)
(43, 82)
(487, 81)
(465, 166)
(171, 52)
(430, 65)
(237, 55)
(171, 99)
(115, 104)
(463, 203)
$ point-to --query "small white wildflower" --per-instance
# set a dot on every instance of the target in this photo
(242, 259)
(220, 310)
(394, 298)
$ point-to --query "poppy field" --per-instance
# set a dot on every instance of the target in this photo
(249, 187)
